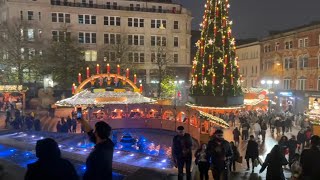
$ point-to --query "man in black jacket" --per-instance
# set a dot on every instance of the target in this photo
(99, 162)
(50, 165)
(252, 152)
(182, 152)
(310, 159)
(219, 152)
(292, 145)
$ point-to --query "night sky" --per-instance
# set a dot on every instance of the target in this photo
(254, 18)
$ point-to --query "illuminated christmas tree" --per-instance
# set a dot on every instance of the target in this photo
(215, 70)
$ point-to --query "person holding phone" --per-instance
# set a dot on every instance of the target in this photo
(99, 161)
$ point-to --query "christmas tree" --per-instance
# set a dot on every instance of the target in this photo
(215, 70)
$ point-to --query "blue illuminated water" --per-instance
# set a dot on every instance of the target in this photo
(23, 158)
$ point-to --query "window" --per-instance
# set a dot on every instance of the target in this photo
(21, 15)
(115, 5)
(306, 42)
(131, 7)
(60, 17)
(276, 47)
(108, 5)
(158, 23)
(318, 83)
(158, 57)
(30, 34)
(136, 40)
(137, 7)
(90, 55)
(31, 53)
(30, 15)
(39, 16)
(60, 36)
(301, 84)
(288, 63)
(135, 22)
(287, 84)
(86, 19)
(289, 45)
(110, 56)
(176, 25)
(112, 38)
(111, 21)
(303, 61)
(158, 40)
(136, 57)
(39, 33)
(176, 41)
(175, 58)
(267, 48)
(300, 43)
(87, 37)
(159, 8)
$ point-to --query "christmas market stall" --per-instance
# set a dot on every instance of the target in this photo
(13, 97)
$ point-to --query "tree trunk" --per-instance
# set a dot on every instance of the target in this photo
(20, 76)
(160, 81)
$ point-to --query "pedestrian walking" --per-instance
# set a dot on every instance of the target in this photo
(74, 125)
(292, 145)
(202, 161)
(219, 152)
(264, 128)
(274, 161)
(99, 161)
(252, 152)
(283, 143)
(257, 130)
(309, 160)
(308, 134)
(236, 136)
(235, 157)
(182, 152)
(245, 130)
(59, 126)
(301, 137)
(50, 165)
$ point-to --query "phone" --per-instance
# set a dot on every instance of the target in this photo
(79, 113)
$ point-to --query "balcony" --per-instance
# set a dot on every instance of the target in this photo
(111, 7)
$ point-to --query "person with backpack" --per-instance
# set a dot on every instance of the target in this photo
(182, 152)
(309, 160)
(202, 161)
(219, 153)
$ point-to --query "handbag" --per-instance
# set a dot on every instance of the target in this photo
(239, 159)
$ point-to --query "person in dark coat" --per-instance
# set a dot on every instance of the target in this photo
(50, 165)
(202, 161)
(292, 145)
(252, 152)
(245, 130)
(182, 152)
(37, 125)
(235, 156)
(69, 124)
(99, 161)
(236, 136)
(274, 161)
(220, 153)
(283, 143)
(301, 137)
(310, 159)
(264, 128)
(59, 126)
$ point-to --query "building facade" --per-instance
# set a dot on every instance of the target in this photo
(290, 63)
(249, 63)
(97, 25)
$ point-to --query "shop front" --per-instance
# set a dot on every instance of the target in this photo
(12, 97)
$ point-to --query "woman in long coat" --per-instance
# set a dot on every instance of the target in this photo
(274, 161)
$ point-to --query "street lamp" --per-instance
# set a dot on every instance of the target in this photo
(269, 82)
(263, 82)
(276, 82)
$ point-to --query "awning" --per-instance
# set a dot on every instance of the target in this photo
(213, 119)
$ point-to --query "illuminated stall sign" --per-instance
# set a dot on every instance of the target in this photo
(13, 88)
(286, 94)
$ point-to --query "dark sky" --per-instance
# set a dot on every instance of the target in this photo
(254, 18)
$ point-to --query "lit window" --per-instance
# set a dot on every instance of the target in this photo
(30, 35)
(90, 55)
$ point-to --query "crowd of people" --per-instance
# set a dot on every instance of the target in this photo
(14, 119)
(299, 153)
(68, 125)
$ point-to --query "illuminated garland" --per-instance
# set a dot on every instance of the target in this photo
(214, 108)
(213, 119)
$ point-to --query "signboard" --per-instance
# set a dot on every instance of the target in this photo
(99, 90)
(287, 94)
(13, 88)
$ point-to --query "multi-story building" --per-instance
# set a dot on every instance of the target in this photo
(145, 24)
(290, 62)
(249, 63)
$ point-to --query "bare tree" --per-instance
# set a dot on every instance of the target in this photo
(19, 50)
(117, 52)
(161, 57)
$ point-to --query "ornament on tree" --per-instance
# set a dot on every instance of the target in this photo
(220, 60)
(210, 41)
(210, 71)
(194, 62)
(202, 70)
(213, 79)
(205, 82)
(210, 59)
